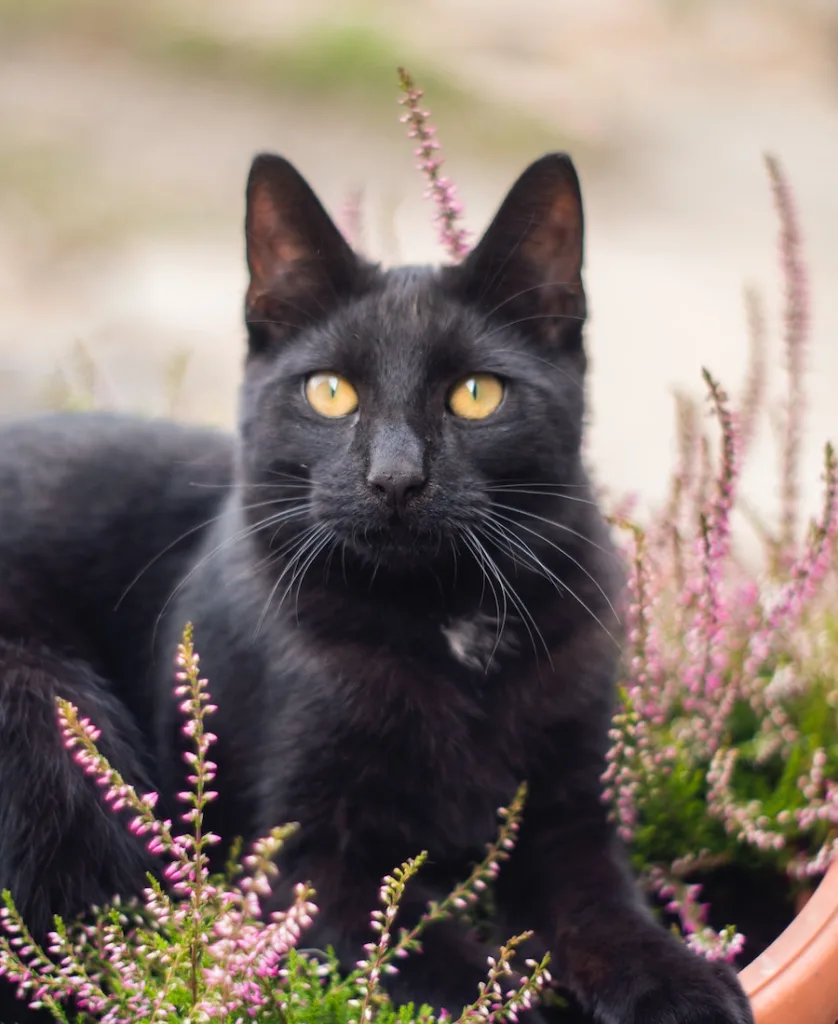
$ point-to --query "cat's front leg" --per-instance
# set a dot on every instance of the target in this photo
(568, 880)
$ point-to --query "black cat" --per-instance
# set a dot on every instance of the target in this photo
(402, 592)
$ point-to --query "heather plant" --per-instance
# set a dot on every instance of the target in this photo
(199, 948)
(725, 744)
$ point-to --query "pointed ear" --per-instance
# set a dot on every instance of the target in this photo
(527, 267)
(300, 264)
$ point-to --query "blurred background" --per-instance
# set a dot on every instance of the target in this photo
(127, 127)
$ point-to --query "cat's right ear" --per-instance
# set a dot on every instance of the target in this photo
(300, 265)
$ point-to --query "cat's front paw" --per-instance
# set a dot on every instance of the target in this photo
(680, 988)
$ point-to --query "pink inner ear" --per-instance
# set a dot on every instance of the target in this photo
(561, 241)
(271, 243)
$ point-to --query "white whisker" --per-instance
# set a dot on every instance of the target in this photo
(542, 569)
(514, 597)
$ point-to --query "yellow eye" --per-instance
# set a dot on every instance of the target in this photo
(476, 397)
(331, 395)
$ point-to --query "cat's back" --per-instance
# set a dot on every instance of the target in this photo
(68, 477)
(99, 515)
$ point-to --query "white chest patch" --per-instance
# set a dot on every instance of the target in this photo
(475, 640)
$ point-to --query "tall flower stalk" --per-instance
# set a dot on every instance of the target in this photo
(795, 335)
(440, 190)
(756, 379)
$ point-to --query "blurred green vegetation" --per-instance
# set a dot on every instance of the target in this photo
(345, 62)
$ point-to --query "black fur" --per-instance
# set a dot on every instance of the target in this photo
(401, 614)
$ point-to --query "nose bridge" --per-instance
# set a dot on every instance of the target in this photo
(395, 447)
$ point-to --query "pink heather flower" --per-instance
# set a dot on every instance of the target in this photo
(754, 391)
(789, 602)
(796, 336)
(351, 219)
(683, 900)
(710, 692)
(747, 822)
(441, 190)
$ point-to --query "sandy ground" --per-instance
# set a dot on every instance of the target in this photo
(121, 186)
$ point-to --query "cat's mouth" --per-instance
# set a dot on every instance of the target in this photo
(397, 544)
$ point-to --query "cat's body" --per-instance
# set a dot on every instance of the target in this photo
(402, 593)
(85, 568)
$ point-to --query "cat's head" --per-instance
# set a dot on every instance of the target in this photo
(394, 413)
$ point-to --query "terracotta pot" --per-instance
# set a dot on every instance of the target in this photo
(795, 981)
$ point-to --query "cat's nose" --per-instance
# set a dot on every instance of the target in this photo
(397, 463)
(397, 482)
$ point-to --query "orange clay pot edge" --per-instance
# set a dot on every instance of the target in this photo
(795, 981)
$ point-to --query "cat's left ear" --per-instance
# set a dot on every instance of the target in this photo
(527, 268)
(300, 264)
